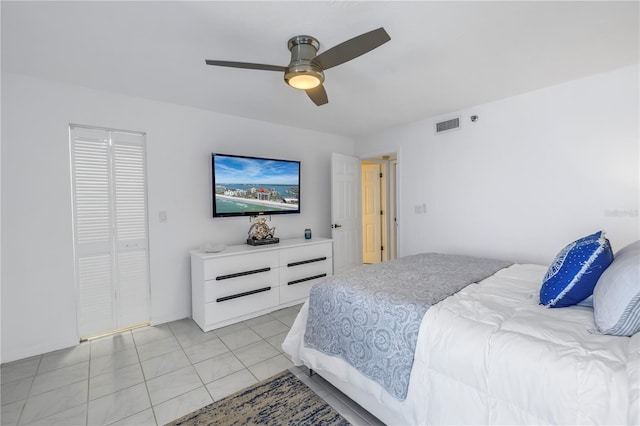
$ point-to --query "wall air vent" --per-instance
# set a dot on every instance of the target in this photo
(444, 126)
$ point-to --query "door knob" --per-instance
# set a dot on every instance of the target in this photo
(336, 226)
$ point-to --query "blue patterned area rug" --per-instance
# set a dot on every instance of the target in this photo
(279, 400)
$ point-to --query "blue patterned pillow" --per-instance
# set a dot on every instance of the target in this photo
(574, 272)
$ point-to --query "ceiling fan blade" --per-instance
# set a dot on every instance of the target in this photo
(352, 48)
(318, 95)
(246, 65)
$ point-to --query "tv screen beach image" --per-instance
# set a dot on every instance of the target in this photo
(245, 185)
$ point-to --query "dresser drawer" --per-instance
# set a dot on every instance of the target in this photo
(305, 254)
(227, 309)
(245, 265)
(299, 289)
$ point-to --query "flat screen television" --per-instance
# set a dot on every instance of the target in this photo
(252, 186)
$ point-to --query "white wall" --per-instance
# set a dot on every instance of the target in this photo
(533, 173)
(38, 296)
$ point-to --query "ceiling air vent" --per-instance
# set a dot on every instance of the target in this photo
(443, 126)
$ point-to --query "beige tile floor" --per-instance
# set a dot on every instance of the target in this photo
(153, 375)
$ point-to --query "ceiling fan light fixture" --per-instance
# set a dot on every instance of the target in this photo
(304, 81)
(303, 77)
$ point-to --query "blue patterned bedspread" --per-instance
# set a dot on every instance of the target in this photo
(370, 315)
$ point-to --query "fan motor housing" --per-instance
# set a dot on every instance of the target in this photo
(304, 41)
(303, 49)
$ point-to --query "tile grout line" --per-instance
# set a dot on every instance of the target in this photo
(86, 415)
(192, 366)
(144, 379)
(29, 393)
(228, 349)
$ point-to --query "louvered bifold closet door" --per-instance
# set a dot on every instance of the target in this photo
(91, 168)
(110, 229)
(132, 284)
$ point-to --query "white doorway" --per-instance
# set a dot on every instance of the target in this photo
(109, 193)
(347, 210)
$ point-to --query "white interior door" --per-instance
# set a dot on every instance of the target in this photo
(110, 229)
(371, 213)
(346, 225)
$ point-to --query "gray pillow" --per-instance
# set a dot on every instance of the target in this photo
(616, 298)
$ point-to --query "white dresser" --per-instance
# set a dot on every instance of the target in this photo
(246, 281)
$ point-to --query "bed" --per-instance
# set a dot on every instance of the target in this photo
(490, 353)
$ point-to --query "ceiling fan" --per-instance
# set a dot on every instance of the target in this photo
(306, 69)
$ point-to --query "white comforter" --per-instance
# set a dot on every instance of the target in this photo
(491, 354)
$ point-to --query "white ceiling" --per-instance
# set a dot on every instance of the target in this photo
(442, 57)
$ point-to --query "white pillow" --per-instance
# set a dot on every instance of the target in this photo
(616, 298)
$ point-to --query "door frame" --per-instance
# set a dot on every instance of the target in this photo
(392, 220)
(388, 194)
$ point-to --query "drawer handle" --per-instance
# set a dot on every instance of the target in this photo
(306, 279)
(246, 293)
(241, 274)
(303, 262)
